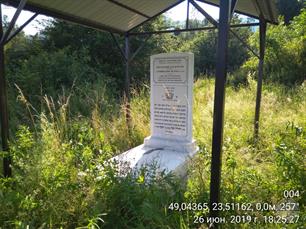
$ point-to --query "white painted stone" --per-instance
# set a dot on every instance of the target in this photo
(171, 102)
(143, 156)
(171, 144)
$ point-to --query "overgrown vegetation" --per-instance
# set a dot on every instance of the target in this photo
(68, 120)
(61, 178)
(285, 54)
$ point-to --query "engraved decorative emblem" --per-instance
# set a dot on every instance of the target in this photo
(169, 95)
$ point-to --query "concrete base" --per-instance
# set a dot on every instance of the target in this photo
(171, 144)
(166, 160)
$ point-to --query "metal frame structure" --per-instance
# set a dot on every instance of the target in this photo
(262, 41)
(7, 172)
(226, 11)
(227, 8)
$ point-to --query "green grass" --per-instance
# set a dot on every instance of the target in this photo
(57, 183)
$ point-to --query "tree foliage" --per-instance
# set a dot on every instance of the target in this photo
(204, 46)
(289, 8)
(68, 81)
(65, 58)
(285, 52)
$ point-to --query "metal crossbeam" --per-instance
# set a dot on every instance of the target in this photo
(20, 28)
(129, 8)
(245, 44)
(214, 22)
(118, 46)
(13, 21)
(190, 29)
(156, 15)
(139, 48)
(206, 15)
(233, 7)
(124, 53)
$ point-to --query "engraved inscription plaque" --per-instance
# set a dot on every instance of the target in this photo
(171, 96)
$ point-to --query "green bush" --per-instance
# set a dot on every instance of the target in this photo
(285, 52)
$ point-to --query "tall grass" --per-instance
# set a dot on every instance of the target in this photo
(58, 180)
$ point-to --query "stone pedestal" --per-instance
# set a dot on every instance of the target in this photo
(166, 160)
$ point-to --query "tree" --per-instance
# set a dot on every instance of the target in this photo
(204, 45)
(285, 58)
(289, 8)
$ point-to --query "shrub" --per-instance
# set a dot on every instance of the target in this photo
(285, 52)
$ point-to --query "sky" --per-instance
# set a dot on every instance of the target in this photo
(178, 13)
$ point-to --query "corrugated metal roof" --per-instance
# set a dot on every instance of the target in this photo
(123, 15)
(254, 8)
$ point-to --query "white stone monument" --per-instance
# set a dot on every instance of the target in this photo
(170, 144)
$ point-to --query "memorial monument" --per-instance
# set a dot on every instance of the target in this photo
(170, 144)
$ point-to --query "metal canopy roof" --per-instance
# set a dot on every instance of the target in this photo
(254, 8)
(121, 16)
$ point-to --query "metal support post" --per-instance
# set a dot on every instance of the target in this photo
(128, 58)
(7, 171)
(221, 69)
(127, 80)
(262, 40)
(187, 16)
